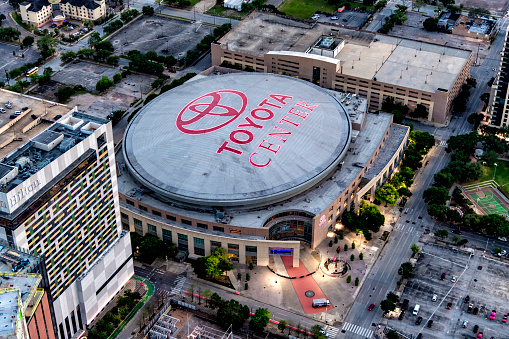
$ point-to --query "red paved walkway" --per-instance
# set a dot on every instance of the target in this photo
(301, 285)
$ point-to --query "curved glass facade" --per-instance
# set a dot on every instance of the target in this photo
(294, 225)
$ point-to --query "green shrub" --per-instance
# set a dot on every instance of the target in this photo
(349, 279)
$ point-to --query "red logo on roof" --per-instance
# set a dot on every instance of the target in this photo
(196, 116)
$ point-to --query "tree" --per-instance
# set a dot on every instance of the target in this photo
(387, 306)
(464, 142)
(64, 93)
(453, 216)
(231, 313)
(282, 326)
(371, 218)
(418, 4)
(494, 224)
(415, 249)
(46, 44)
(352, 257)
(490, 157)
(479, 13)
(406, 270)
(104, 46)
(349, 279)
(94, 39)
(28, 40)
(117, 77)
(443, 179)
(475, 119)
(442, 234)
(392, 334)
(206, 295)
(420, 111)
(317, 332)
(67, 56)
(103, 84)
(260, 320)
(148, 10)
(436, 195)
(388, 194)
(85, 53)
(403, 191)
(392, 297)
(357, 281)
(456, 239)
(422, 141)
(2, 18)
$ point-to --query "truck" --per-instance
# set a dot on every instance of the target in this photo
(321, 302)
(416, 309)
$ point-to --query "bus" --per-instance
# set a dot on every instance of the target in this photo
(32, 71)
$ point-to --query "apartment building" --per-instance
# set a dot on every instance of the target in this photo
(40, 12)
(498, 109)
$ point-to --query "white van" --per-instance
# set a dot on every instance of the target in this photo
(416, 309)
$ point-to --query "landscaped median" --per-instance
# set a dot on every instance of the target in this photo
(140, 304)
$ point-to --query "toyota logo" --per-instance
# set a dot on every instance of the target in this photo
(197, 112)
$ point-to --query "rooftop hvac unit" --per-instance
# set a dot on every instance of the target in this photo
(67, 144)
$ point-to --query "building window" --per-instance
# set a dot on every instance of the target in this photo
(124, 218)
(171, 217)
(234, 231)
(143, 208)
(214, 245)
(199, 246)
(233, 252)
(152, 229)
(219, 229)
(182, 242)
(156, 213)
(200, 225)
(167, 236)
(186, 222)
(129, 202)
(138, 226)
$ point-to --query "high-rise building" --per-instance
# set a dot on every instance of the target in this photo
(58, 199)
(498, 109)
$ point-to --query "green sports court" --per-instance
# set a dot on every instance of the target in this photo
(488, 200)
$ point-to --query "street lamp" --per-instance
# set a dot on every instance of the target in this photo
(495, 173)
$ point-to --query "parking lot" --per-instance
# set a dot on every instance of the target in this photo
(347, 18)
(483, 280)
(9, 62)
(413, 29)
(84, 73)
(157, 33)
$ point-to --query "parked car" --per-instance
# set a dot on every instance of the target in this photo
(470, 306)
(504, 320)
(453, 280)
(449, 305)
(8, 105)
(467, 299)
(17, 113)
(24, 109)
(476, 310)
(442, 277)
(435, 297)
(476, 328)
(2, 110)
(504, 239)
(334, 18)
(401, 315)
(418, 321)
(493, 315)
(12, 116)
(480, 335)
(419, 336)
(430, 323)
(371, 307)
(465, 323)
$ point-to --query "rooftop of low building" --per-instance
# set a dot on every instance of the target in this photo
(367, 55)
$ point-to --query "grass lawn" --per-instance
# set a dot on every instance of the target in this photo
(226, 12)
(304, 9)
(502, 176)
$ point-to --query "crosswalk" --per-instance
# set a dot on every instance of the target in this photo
(442, 143)
(364, 332)
(179, 283)
(332, 332)
(407, 228)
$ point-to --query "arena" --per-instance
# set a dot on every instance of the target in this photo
(255, 163)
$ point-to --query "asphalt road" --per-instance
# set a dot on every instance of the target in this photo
(409, 227)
